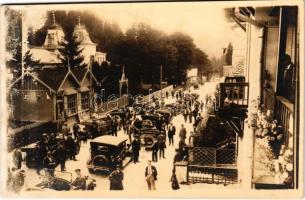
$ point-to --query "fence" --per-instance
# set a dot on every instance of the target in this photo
(212, 156)
(212, 165)
(110, 105)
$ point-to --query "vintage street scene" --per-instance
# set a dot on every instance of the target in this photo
(154, 99)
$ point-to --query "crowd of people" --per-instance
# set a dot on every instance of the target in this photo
(56, 149)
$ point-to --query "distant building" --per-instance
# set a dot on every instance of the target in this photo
(48, 54)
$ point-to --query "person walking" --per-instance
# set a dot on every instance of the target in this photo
(136, 147)
(151, 175)
(116, 179)
(166, 93)
(173, 94)
(155, 149)
(182, 133)
(171, 132)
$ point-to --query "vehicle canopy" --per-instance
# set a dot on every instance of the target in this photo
(109, 140)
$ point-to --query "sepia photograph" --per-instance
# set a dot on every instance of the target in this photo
(152, 99)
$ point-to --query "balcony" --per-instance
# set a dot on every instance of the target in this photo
(284, 116)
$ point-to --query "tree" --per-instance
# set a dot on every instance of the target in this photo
(29, 61)
(71, 53)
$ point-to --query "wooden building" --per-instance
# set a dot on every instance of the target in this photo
(51, 94)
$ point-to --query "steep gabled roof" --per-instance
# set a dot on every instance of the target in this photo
(34, 77)
(81, 73)
(53, 76)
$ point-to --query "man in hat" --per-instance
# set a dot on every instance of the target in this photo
(80, 182)
(136, 147)
(116, 179)
(151, 175)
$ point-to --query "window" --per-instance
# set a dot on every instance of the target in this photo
(72, 104)
(25, 96)
(51, 39)
(38, 96)
(85, 100)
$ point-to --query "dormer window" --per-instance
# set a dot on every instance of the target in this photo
(51, 39)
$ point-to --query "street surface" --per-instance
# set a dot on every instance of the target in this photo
(134, 173)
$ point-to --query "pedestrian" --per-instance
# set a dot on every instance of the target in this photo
(191, 138)
(151, 175)
(155, 149)
(80, 182)
(171, 132)
(116, 179)
(76, 131)
(182, 133)
(71, 148)
(60, 155)
(185, 114)
(17, 157)
(195, 113)
(166, 93)
(174, 180)
(114, 128)
(190, 115)
(201, 105)
(177, 96)
(206, 97)
(136, 147)
(49, 164)
(173, 94)
(162, 146)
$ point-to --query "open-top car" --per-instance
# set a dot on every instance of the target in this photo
(107, 152)
(123, 113)
(147, 133)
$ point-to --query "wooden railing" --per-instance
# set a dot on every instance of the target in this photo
(233, 94)
(284, 114)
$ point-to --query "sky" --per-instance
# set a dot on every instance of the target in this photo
(205, 23)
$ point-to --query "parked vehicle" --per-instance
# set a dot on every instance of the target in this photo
(98, 127)
(147, 133)
(123, 113)
(62, 181)
(107, 152)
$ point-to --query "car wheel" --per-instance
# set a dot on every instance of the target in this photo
(149, 141)
(90, 171)
(100, 161)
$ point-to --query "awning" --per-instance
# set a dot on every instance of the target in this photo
(70, 91)
(83, 89)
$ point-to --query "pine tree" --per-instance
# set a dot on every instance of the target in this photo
(71, 53)
(29, 61)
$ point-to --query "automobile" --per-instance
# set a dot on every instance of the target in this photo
(147, 132)
(123, 113)
(166, 113)
(107, 152)
(98, 126)
(62, 181)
